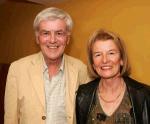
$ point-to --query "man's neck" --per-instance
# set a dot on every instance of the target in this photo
(53, 66)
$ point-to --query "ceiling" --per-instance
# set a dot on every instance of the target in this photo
(44, 2)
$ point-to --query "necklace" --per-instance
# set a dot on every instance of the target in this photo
(113, 100)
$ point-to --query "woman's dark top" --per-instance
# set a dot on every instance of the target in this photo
(120, 116)
(139, 95)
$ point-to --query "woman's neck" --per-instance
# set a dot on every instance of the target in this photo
(111, 85)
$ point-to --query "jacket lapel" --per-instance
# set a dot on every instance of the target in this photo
(71, 75)
(36, 74)
(136, 99)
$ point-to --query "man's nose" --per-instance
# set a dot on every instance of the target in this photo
(52, 37)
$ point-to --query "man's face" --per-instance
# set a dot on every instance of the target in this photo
(52, 38)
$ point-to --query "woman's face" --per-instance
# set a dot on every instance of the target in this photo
(106, 59)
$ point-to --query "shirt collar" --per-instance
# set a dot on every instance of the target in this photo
(45, 68)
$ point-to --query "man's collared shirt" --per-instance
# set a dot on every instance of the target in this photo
(55, 96)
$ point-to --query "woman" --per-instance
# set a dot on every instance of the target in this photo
(113, 97)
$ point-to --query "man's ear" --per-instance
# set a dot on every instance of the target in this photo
(36, 38)
(68, 39)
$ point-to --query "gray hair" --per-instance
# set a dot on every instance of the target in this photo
(52, 13)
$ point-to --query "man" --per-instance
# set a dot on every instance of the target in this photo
(40, 88)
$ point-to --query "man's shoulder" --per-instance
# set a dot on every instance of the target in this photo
(27, 59)
(73, 60)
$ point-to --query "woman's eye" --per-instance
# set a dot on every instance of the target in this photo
(96, 55)
(112, 53)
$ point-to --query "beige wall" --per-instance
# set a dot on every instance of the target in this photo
(128, 18)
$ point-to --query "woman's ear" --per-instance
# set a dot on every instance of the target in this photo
(93, 66)
(121, 62)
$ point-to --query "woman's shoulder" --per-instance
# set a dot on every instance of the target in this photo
(88, 87)
(137, 85)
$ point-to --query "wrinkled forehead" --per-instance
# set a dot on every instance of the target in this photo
(52, 24)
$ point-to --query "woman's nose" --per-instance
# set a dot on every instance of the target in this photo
(105, 58)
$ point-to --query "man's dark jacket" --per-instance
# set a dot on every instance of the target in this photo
(139, 95)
